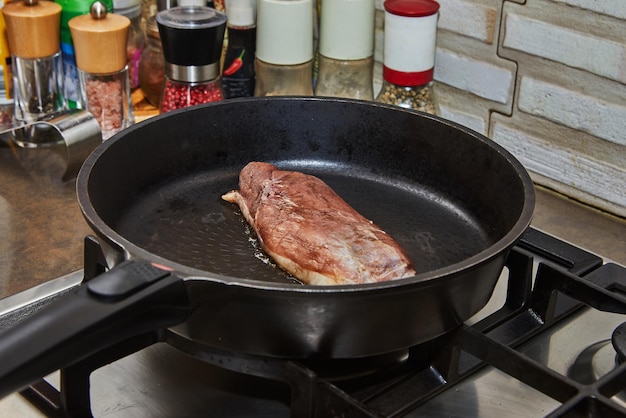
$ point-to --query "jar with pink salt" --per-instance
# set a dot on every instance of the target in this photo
(100, 40)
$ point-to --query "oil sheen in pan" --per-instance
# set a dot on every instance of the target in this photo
(186, 221)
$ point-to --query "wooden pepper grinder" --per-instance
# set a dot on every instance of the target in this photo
(33, 31)
(100, 40)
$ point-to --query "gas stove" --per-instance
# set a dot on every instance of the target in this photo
(551, 342)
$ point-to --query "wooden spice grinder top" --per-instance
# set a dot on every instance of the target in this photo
(33, 28)
(100, 40)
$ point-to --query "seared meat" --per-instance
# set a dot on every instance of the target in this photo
(312, 232)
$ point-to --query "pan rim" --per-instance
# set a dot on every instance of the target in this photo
(132, 251)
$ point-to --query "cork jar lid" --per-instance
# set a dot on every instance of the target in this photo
(100, 40)
(33, 28)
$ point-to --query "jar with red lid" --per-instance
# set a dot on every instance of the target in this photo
(192, 38)
(409, 54)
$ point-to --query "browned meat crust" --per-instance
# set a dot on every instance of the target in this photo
(312, 232)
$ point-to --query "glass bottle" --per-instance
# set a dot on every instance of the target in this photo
(100, 40)
(346, 50)
(71, 9)
(148, 10)
(34, 41)
(136, 39)
(192, 40)
(284, 48)
(409, 55)
(152, 65)
(6, 80)
(238, 73)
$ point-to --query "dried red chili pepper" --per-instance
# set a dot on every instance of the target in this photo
(235, 65)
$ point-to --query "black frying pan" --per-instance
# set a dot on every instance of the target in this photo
(453, 199)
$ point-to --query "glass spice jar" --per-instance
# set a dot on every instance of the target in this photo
(70, 10)
(180, 94)
(284, 48)
(192, 39)
(152, 65)
(34, 40)
(409, 55)
(136, 39)
(106, 97)
(100, 40)
(346, 50)
(148, 10)
(238, 73)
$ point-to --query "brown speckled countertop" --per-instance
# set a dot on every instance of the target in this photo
(42, 229)
(41, 226)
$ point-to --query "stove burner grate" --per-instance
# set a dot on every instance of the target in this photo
(394, 384)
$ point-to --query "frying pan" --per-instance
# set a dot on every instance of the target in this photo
(181, 258)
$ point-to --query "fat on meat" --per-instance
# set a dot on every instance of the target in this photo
(311, 232)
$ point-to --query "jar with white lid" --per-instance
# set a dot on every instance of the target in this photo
(284, 48)
(238, 74)
(409, 54)
(346, 49)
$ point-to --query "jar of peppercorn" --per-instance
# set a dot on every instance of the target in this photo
(409, 54)
(192, 38)
(33, 37)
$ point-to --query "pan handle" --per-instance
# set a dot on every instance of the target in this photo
(130, 299)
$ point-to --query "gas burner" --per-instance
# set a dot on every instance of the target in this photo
(619, 342)
(600, 359)
(330, 370)
(593, 362)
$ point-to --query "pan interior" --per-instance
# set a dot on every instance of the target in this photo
(185, 220)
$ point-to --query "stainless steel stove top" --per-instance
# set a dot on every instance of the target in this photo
(162, 381)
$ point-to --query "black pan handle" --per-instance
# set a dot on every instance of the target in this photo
(130, 299)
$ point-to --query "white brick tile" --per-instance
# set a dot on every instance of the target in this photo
(615, 8)
(473, 122)
(481, 78)
(469, 19)
(596, 178)
(573, 109)
(600, 56)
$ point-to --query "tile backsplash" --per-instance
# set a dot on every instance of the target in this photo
(546, 79)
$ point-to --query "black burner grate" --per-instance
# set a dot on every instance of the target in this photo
(566, 279)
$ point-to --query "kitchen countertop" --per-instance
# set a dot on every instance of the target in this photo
(42, 229)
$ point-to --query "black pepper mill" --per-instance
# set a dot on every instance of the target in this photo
(33, 31)
(192, 39)
(409, 54)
